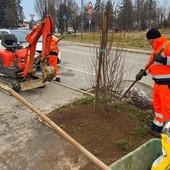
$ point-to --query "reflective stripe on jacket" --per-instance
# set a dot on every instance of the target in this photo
(160, 72)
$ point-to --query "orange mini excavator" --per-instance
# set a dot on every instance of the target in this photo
(17, 68)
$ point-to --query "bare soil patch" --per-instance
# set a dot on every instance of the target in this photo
(108, 136)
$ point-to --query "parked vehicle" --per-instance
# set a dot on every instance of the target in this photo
(21, 37)
(70, 30)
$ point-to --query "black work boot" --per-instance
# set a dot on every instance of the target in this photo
(57, 79)
(168, 86)
(155, 130)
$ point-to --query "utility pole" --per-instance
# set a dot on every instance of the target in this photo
(82, 5)
(45, 8)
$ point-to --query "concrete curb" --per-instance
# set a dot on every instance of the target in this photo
(129, 50)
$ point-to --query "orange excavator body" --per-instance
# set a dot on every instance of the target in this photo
(17, 64)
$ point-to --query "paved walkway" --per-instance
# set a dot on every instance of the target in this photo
(25, 143)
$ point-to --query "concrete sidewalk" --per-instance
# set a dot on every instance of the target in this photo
(27, 144)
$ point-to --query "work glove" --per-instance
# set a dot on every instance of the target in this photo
(140, 75)
(160, 59)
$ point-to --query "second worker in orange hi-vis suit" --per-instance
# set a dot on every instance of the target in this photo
(54, 51)
(160, 72)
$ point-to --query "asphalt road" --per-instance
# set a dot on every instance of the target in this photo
(77, 59)
(25, 143)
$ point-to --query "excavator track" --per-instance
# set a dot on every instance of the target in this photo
(16, 85)
(10, 82)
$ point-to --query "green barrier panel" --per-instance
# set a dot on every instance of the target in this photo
(141, 158)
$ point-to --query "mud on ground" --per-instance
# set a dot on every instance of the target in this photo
(108, 136)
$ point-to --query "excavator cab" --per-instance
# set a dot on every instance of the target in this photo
(9, 41)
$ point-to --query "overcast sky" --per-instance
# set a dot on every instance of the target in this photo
(28, 6)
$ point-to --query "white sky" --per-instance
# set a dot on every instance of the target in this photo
(28, 6)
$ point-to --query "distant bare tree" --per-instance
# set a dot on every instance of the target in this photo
(63, 17)
(98, 10)
(46, 7)
(74, 17)
(151, 13)
(138, 14)
(41, 8)
(68, 15)
(146, 14)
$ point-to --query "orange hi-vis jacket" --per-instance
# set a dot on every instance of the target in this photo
(160, 72)
(53, 44)
(54, 50)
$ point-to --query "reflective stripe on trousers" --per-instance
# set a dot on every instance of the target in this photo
(161, 103)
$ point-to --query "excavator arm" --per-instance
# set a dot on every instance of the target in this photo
(45, 29)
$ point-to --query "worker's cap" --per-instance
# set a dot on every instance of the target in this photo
(153, 33)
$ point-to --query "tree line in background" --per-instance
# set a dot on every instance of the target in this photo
(11, 13)
(126, 15)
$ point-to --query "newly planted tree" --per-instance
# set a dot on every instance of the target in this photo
(107, 63)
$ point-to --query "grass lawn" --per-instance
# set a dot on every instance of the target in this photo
(135, 39)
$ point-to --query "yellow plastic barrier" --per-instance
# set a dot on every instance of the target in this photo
(163, 162)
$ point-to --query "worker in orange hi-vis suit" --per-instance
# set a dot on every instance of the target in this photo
(54, 51)
(160, 72)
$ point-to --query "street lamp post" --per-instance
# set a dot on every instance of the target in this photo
(82, 4)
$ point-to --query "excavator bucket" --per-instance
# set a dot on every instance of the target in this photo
(32, 84)
(48, 72)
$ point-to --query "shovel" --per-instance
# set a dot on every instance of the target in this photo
(143, 72)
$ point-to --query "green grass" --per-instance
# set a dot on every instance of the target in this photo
(135, 39)
(121, 106)
(86, 100)
(62, 126)
(75, 104)
(124, 145)
(146, 116)
(138, 132)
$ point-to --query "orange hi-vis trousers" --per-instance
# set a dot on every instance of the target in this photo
(53, 61)
(54, 58)
(161, 104)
